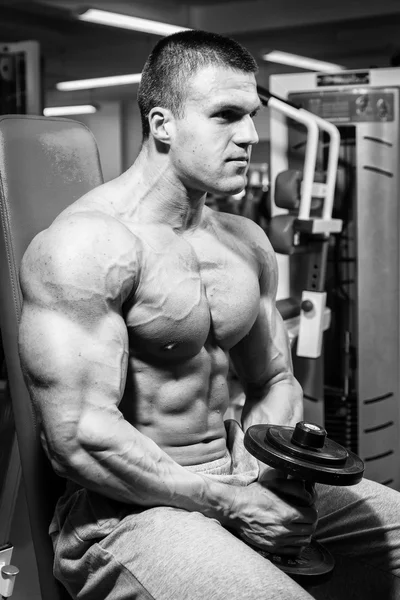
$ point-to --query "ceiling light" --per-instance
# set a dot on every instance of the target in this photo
(302, 62)
(77, 109)
(102, 17)
(97, 82)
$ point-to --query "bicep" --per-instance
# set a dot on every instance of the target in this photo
(264, 354)
(75, 278)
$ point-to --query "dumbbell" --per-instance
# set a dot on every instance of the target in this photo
(304, 452)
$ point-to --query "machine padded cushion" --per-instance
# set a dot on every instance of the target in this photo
(45, 165)
(281, 233)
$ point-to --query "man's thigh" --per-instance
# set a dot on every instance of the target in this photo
(178, 555)
(361, 521)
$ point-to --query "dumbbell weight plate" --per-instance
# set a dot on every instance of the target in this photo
(312, 567)
(332, 464)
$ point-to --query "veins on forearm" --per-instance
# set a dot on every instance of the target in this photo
(280, 403)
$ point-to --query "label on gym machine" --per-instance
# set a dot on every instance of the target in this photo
(343, 78)
(358, 105)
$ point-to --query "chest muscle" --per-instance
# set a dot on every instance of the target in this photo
(188, 291)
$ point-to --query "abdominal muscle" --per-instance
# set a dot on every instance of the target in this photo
(181, 404)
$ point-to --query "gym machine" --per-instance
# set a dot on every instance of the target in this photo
(360, 395)
(20, 93)
(302, 229)
(305, 228)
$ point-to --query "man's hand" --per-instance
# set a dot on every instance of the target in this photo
(276, 516)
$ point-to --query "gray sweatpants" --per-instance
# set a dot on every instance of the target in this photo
(105, 550)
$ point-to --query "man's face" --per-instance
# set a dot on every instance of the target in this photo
(212, 141)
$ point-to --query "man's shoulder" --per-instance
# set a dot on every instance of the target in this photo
(84, 233)
(82, 248)
(244, 233)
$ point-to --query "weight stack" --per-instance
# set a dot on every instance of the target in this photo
(341, 418)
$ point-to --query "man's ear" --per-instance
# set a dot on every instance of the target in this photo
(160, 121)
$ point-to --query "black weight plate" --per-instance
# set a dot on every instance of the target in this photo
(312, 566)
(331, 453)
(348, 474)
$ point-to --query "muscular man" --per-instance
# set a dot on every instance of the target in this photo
(135, 299)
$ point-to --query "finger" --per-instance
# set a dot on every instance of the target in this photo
(305, 515)
(258, 543)
(268, 474)
(309, 487)
(299, 529)
(294, 540)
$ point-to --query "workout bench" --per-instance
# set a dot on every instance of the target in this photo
(45, 165)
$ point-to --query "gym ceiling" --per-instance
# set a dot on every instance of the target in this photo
(348, 32)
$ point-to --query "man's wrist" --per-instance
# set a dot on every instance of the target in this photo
(212, 498)
(220, 500)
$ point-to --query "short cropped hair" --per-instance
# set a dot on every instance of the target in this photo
(175, 59)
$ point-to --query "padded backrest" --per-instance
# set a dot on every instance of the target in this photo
(45, 165)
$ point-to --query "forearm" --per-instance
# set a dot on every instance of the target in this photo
(280, 403)
(125, 465)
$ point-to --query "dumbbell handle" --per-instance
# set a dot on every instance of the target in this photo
(309, 487)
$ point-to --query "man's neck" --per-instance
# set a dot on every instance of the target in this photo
(158, 195)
